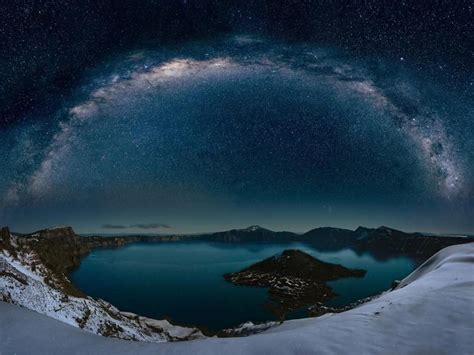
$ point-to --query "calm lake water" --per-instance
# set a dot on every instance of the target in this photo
(183, 280)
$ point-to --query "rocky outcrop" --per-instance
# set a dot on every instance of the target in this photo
(294, 279)
(5, 235)
(5, 241)
(59, 250)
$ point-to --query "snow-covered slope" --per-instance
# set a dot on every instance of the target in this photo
(431, 312)
(23, 282)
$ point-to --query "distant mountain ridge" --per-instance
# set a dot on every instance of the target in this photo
(382, 242)
(252, 233)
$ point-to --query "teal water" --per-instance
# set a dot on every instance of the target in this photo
(183, 280)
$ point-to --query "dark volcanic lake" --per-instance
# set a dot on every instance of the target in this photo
(183, 280)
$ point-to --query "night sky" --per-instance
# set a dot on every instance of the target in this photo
(191, 116)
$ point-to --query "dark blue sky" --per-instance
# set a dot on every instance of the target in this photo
(228, 130)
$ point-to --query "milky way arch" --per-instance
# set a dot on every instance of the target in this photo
(133, 82)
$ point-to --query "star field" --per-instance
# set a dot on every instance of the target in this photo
(244, 127)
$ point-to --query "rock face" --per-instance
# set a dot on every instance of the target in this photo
(5, 241)
(4, 235)
(59, 250)
(294, 279)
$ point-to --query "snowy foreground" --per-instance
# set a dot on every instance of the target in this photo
(431, 312)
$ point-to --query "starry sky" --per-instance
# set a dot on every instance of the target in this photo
(187, 116)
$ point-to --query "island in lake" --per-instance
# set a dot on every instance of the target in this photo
(293, 278)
